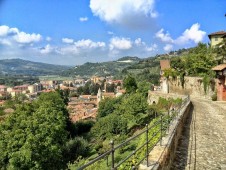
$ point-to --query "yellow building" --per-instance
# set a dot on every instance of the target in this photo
(216, 37)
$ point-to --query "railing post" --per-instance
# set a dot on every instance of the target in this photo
(147, 143)
(161, 132)
(112, 155)
(168, 120)
(107, 160)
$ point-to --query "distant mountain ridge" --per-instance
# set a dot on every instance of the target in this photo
(124, 65)
(24, 67)
(121, 66)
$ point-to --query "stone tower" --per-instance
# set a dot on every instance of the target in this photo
(99, 95)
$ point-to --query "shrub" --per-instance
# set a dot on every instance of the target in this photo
(214, 97)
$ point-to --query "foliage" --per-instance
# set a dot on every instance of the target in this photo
(32, 138)
(214, 97)
(129, 83)
(170, 73)
(143, 88)
(88, 89)
(73, 94)
(15, 80)
(99, 69)
(113, 125)
(107, 106)
(36, 135)
(220, 52)
(64, 94)
(206, 83)
(197, 62)
(74, 148)
(82, 126)
(23, 67)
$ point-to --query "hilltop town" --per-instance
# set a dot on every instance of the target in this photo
(86, 112)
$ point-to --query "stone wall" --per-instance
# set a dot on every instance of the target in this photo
(153, 96)
(192, 86)
(169, 155)
(162, 155)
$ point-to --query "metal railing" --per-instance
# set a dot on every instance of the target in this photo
(161, 126)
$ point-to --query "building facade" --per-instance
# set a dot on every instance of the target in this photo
(216, 37)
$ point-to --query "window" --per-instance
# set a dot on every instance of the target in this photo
(216, 38)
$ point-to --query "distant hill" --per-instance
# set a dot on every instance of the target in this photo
(121, 66)
(24, 67)
(100, 69)
(128, 59)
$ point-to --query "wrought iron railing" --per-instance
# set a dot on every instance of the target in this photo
(161, 126)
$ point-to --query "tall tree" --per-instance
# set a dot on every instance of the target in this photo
(33, 137)
(130, 84)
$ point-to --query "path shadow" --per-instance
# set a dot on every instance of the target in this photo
(182, 159)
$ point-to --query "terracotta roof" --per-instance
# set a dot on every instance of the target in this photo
(219, 67)
(2, 87)
(164, 64)
(108, 94)
(217, 33)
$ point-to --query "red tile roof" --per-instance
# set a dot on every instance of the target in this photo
(2, 87)
(164, 64)
(219, 67)
(217, 33)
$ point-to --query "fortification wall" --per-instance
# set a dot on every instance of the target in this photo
(193, 86)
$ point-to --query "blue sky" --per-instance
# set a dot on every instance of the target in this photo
(72, 32)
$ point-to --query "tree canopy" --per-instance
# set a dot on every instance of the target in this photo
(130, 84)
(33, 137)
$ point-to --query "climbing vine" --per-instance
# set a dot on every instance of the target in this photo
(206, 82)
(182, 79)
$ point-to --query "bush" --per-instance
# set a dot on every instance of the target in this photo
(214, 97)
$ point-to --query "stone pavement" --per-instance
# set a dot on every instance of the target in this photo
(202, 145)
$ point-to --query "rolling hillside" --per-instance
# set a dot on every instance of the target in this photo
(24, 67)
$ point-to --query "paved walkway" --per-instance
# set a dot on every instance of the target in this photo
(203, 143)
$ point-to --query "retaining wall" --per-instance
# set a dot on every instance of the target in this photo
(163, 154)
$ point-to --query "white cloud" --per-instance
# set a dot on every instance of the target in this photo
(13, 34)
(120, 43)
(110, 33)
(69, 50)
(152, 48)
(193, 34)
(67, 40)
(48, 38)
(47, 49)
(168, 47)
(139, 42)
(4, 30)
(134, 13)
(88, 44)
(83, 19)
(5, 42)
(23, 37)
(165, 37)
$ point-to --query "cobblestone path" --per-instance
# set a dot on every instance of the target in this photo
(202, 145)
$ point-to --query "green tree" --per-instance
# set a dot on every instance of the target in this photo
(220, 51)
(199, 60)
(130, 84)
(33, 137)
(113, 125)
(107, 106)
